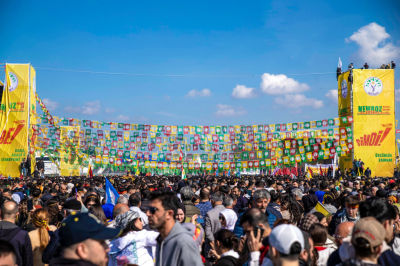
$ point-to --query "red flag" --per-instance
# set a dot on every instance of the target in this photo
(90, 172)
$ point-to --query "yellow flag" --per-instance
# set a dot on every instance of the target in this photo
(14, 117)
(320, 208)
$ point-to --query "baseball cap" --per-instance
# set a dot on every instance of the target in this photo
(81, 226)
(72, 204)
(284, 236)
(369, 229)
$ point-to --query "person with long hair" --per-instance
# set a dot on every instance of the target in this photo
(134, 245)
(97, 211)
(291, 209)
(224, 248)
(40, 236)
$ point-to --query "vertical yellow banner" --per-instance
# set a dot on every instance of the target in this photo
(14, 109)
(344, 110)
(374, 119)
(32, 117)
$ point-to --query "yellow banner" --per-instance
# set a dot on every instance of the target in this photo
(69, 165)
(14, 111)
(32, 117)
(344, 110)
(374, 120)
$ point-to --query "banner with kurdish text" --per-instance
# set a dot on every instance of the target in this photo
(374, 119)
(344, 110)
(69, 161)
(14, 112)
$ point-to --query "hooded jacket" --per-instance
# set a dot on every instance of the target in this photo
(135, 247)
(230, 218)
(178, 249)
(20, 240)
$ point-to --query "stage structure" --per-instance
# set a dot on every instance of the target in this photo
(367, 95)
(364, 130)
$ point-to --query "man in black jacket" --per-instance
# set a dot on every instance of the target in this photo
(17, 237)
(82, 241)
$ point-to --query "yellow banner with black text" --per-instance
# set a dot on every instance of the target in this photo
(374, 119)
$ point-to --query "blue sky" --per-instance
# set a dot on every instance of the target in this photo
(203, 62)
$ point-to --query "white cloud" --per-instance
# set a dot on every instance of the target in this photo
(281, 84)
(200, 93)
(88, 108)
(332, 95)
(228, 110)
(167, 97)
(374, 47)
(91, 108)
(397, 95)
(243, 92)
(296, 101)
(109, 110)
(51, 105)
(122, 118)
(72, 109)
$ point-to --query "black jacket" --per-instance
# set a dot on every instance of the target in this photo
(226, 261)
(20, 240)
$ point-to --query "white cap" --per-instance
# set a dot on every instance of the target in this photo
(16, 198)
(283, 236)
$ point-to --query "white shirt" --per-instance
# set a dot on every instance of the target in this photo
(143, 216)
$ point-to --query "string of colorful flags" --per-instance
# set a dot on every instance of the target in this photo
(171, 148)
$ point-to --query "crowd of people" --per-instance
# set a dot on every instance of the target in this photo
(202, 220)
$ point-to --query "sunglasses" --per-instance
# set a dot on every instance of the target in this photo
(152, 210)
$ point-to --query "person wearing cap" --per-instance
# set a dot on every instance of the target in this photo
(82, 241)
(134, 245)
(386, 214)
(367, 239)
(175, 245)
(286, 243)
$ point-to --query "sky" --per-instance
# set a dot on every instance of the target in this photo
(196, 62)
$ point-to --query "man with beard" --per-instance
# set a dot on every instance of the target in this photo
(175, 245)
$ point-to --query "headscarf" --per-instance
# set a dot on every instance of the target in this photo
(307, 221)
(122, 220)
(392, 198)
(230, 218)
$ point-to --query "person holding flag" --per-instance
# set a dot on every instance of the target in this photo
(111, 193)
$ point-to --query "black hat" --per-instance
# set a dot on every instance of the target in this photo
(81, 226)
(72, 204)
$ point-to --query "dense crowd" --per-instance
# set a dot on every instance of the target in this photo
(202, 220)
